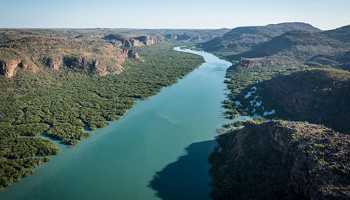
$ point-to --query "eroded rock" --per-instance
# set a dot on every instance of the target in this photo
(9, 68)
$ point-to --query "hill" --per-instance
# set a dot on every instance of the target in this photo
(281, 160)
(297, 47)
(44, 62)
(241, 39)
(320, 96)
(342, 34)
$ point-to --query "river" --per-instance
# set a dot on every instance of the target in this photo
(158, 150)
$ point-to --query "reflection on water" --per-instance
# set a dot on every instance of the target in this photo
(187, 177)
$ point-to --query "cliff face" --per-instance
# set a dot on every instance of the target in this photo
(146, 40)
(281, 160)
(99, 66)
(131, 54)
(318, 156)
(55, 53)
(9, 68)
(120, 40)
(247, 62)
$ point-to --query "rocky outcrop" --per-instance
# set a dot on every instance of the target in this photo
(146, 40)
(54, 63)
(9, 68)
(318, 156)
(251, 162)
(116, 43)
(127, 43)
(131, 54)
(247, 62)
(55, 53)
(79, 62)
(120, 40)
(136, 43)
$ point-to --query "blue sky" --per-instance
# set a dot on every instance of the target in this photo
(323, 14)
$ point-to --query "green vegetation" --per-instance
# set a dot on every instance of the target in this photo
(15, 153)
(24, 130)
(229, 125)
(25, 147)
(342, 34)
(14, 170)
(238, 123)
(247, 87)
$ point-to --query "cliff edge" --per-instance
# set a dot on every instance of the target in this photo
(281, 160)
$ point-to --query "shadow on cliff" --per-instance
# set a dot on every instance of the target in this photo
(188, 177)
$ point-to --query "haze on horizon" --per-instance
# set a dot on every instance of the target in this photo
(184, 14)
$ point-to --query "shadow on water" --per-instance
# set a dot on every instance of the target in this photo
(188, 177)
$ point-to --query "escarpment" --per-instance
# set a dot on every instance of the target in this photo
(37, 53)
(119, 40)
(8, 68)
(281, 160)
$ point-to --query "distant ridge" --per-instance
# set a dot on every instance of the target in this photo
(240, 39)
(342, 34)
(295, 38)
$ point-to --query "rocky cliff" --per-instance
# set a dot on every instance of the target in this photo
(8, 68)
(247, 62)
(121, 40)
(281, 160)
(37, 53)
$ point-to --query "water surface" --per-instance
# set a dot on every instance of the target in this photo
(158, 150)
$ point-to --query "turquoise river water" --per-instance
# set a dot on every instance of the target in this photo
(158, 150)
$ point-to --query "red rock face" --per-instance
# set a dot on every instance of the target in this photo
(9, 68)
(136, 43)
(133, 54)
(55, 64)
(247, 63)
